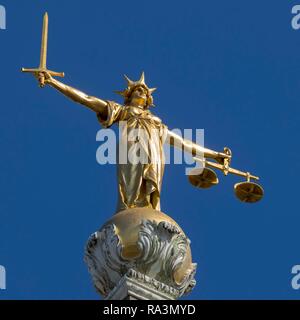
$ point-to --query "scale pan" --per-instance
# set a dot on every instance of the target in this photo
(203, 178)
(248, 191)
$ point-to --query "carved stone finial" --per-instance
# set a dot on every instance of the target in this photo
(162, 262)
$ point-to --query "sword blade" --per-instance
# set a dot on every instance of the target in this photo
(43, 59)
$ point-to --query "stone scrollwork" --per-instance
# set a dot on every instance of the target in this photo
(103, 255)
(163, 249)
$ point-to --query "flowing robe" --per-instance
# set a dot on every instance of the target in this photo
(140, 175)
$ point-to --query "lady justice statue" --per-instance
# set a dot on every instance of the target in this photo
(142, 253)
(139, 184)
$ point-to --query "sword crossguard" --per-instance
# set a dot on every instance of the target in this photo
(37, 72)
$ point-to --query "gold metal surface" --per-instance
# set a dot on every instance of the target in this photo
(43, 58)
(203, 178)
(245, 191)
(128, 224)
(132, 86)
(226, 169)
(248, 191)
(40, 71)
(139, 185)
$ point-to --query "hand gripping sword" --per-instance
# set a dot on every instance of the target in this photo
(43, 60)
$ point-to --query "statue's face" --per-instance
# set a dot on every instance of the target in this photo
(139, 96)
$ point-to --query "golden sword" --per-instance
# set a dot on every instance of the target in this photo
(38, 72)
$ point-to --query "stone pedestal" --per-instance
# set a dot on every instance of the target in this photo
(137, 286)
(140, 254)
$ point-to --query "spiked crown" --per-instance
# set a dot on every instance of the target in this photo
(132, 85)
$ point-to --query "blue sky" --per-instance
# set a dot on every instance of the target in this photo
(230, 67)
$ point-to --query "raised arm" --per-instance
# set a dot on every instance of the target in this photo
(95, 104)
(193, 148)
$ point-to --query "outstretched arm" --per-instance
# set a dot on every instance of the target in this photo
(95, 104)
(193, 148)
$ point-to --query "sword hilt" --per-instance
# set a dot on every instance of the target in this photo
(41, 78)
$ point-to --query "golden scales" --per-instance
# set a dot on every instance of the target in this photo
(246, 191)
